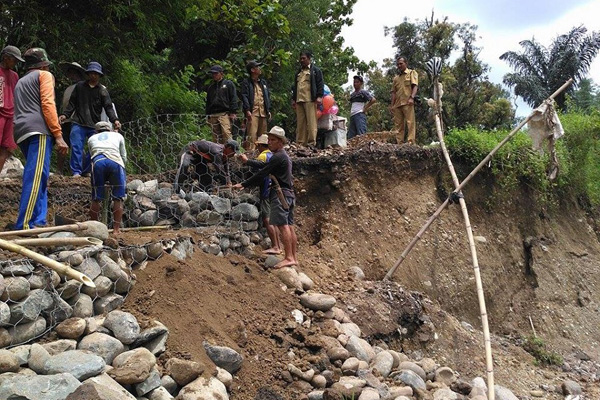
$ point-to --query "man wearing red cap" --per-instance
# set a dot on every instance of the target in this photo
(9, 57)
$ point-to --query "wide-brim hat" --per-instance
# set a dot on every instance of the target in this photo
(278, 132)
(96, 67)
(66, 66)
(262, 139)
(13, 51)
(103, 126)
(36, 57)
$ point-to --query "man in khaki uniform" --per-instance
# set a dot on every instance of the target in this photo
(256, 103)
(404, 90)
(307, 95)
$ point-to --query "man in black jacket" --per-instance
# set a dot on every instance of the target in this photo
(307, 95)
(221, 105)
(256, 103)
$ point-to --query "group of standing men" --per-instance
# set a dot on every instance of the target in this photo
(29, 119)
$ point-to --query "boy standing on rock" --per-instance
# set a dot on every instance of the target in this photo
(281, 196)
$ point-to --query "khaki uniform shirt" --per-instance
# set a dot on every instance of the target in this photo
(259, 102)
(303, 86)
(402, 86)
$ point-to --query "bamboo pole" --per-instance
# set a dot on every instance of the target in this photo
(434, 216)
(54, 241)
(35, 231)
(143, 228)
(479, 285)
(60, 268)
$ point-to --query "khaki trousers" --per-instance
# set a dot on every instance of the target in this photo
(254, 128)
(221, 127)
(405, 115)
(306, 123)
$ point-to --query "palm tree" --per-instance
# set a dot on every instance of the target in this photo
(539, 71)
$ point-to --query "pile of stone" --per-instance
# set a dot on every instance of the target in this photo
(153, 203)
(346, 366)
(33, 298)
(111, 358)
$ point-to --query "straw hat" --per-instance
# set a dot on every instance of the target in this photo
(279, 132)
(262, 139)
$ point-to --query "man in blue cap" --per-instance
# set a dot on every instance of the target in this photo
(85, 107)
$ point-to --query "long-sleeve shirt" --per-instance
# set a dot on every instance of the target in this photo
(110, 144)
(35, 106)
(280, 166)
(221, 97)
(86, 104)
(212, 153)
(8, 81)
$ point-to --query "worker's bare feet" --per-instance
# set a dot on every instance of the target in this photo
(272, 250)
(285, 263)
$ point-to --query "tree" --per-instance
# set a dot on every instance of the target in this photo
(539, 71)
(586, 98)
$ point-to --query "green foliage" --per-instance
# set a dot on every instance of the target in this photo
(536, 346)
(582, 145)
(539, 71)
(585, 99)
(514, 164)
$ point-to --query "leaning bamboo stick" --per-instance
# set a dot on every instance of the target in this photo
(55, 241)
(463, 206)
(61, 269)
(143, 228)
(434, 216)
(35, 231)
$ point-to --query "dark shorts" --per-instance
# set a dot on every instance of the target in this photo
(265, 208)
(279, 216)
(106, 170)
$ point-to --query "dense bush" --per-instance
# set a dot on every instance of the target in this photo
(516, 163)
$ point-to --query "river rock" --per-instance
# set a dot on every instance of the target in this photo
(570, 387)
(317, 301)
(412, 379)
(102, 345)
(224, 357)
(503, 393)
(69, 289)
(220, 204)
(445, 394)
(16, 268)
(83, 306)
(151, 383)
(154, 250)
(4, 314)
(148, 218)
(350, 328)
(123, 325)
(132, 366)
(103, 287)
(80, 364)
(38, 356)
(108, 303)
(360, 348)
(445, 375)
(36, 387)
(15, 288)
(183, 371)
(205, 389)
(89, 267)
(225, 377)
(289, 277)
(369, 394)
(22, 353)
(245, 212)
(383, 362)
(307, 283)
(409, 365)
(60, 346)
(9, 362)
(25, 332)
(160, 393)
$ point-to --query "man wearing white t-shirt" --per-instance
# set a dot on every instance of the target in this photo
(360, 102)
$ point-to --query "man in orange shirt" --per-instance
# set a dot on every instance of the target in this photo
(36, 129)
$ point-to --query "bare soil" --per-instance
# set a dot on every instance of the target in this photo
(361, 206)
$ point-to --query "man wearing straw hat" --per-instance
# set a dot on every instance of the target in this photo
(262, 144)
(75, 73)
(36, 129)
(107, 149)
(281, 195)
(85, 108)
(9, 57)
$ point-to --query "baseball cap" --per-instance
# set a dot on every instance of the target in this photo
(360, 78)
(233, 144)
(253, 64)
(215, 69)
(262, 139)
(103, 126)
(95, 67)
(278, 132)
(13, 51)
(36, 57)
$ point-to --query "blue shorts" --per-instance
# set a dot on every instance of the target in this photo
(106, 170)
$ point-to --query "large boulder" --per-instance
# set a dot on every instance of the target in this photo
(35, 387)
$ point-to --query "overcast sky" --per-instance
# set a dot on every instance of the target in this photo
(502, 24)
